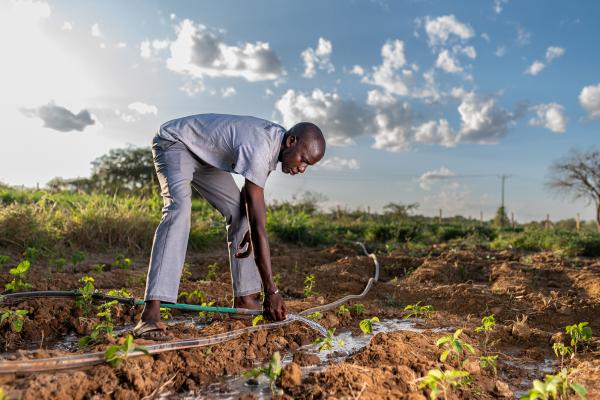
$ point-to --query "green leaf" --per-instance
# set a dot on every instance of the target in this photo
(580, 390)
(444, 355)
(256, 320)
(16, 325)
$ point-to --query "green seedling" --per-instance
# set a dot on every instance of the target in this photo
(165, 313)
(258, 319)
(555, 387)
(357, 309)
(119, 293)
(394, 280)
(487, 326)
(212, 271)
(366, 325)
(417, 310)
(440, 382)
(77, 258)
(84, 302)
(4, 260)
(198, 294)
(317, 315)
(98, 268)
(342, 310)
(123, 262)
(309, 283)
(116, 354)
(490, 362)
(272, 371)
(453, 345)
(560, 350)
(105, 327)
(58, 263)
(186, 272)
(326, 343)
(19, 274)
(31, 254)
(14, 318)
(277, 279)
(206, 304)
(580, 332)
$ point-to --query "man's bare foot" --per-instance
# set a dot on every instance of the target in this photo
(151, 311)
(250, 302)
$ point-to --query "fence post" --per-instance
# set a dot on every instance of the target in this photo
(481, 217)
(440, 218)
(512, 219)
(547, 226)
(578, 222)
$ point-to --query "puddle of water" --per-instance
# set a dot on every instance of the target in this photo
(530, 370)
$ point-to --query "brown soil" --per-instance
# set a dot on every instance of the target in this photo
(532, 297)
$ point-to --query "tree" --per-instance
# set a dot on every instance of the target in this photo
(400, 211)
(501, 219)
(578, 174)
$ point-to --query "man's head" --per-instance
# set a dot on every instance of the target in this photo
(302, 145)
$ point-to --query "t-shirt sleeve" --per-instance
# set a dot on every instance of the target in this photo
(252, 163)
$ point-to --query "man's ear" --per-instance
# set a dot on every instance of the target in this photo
(291, 141)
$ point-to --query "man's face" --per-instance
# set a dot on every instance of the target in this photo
(296, 157)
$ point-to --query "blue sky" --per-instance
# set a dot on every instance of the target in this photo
(420, 101)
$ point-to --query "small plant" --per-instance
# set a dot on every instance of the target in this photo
(277, 279)
(14, 318)
(116, 354)
(394, 280)
(342, 309)
(123, 262)
(309, 284)
(212, 271)
(417, 310)
(19, 274)
(580, 332)
(326, 343)
(440, 382)
(31, 254)
(85, 300)
(206, 304)
(119, 293)
(487, 326)
(555, 387)
(258, 319)
(98, 268)
(165, 313)
(58, 263)
(366, 325)
(560, 350)
(198, 294)
(103, 328)
(490, 362)
(317, 315)
(272, 371)
(4, 260)
(185, 272)
(357, 309)
(453, 345)
(77, 258)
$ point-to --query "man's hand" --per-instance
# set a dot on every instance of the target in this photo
(245, 241)
(274, 307)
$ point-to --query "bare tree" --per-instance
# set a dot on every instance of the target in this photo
(578, 175)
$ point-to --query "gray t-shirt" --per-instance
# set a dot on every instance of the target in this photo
(244, 145)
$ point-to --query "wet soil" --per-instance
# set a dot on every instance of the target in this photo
(533, 297)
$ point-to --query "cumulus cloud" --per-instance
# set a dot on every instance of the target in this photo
(436, 132)
(535, 68)
(554, 52)
(228, 91)
(500, 51)
(482, 120)
(357, 70)
(448, 63)
(198, 52)
(67, 26)
(319, 58)
(523, 37)
(143, 108)
(551, 116)
(392, 122)
(390, 75)
(338, 164)
(429, 177)
(59, 118)
(442, 29)
(499, 5)
(152, 48)
(95, 31)
(589, 98)
(340, 120)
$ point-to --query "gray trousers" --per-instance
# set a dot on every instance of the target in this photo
(178, 170)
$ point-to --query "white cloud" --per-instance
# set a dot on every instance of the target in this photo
(554, 52)
(59, 118)
(448, 63)
(228, 91)
(121, 45)
(500, 51)
(319, 58)
(523, 37)
(385, 75)
(426, 179)
(193, 87)
(441, 29)
(392, 122)
(436, 132)
(486, 37)
(96, 32)
(535, 68)
(551, 116)
(199, 52)
(469, 51)
(357, 70)
(589, 98)
(498, 5)
(151, 49)
(340, 120)
(143, 108)
(67, 26)
(482, 121)
(338, 164)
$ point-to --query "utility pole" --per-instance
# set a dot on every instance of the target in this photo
(503, 213)
(503, 177)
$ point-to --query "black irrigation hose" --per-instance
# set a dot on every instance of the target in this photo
(89, 359)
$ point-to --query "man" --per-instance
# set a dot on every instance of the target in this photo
(201, 151)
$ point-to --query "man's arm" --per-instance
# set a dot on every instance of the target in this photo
(274, 305)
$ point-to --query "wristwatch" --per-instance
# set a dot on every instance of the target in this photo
(267, 293)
